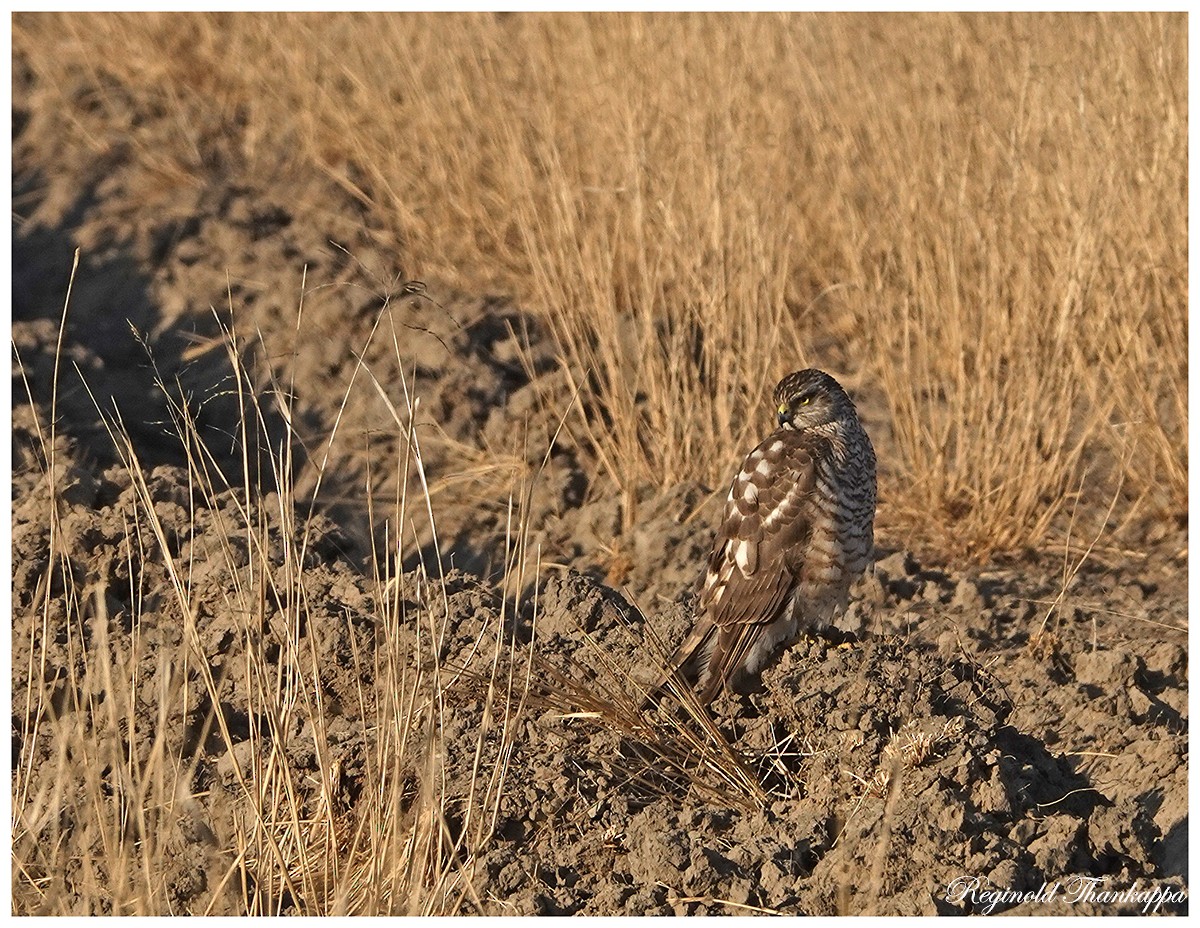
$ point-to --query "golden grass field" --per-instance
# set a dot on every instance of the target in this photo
(988, 214)
(978, 221)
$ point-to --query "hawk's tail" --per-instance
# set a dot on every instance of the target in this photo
(708, 658)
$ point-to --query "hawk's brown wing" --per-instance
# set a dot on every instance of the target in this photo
(752, 569)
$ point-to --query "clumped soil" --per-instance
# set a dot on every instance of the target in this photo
(942, 731)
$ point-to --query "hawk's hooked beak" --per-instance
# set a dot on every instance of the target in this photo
(783, 414)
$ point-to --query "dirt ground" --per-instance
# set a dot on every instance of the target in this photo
(940, 734)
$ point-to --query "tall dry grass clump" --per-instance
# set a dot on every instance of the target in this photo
(979, 220)
(177, 749)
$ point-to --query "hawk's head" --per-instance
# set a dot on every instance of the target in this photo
(807, 399)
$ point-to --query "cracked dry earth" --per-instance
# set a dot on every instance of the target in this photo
(941, 732)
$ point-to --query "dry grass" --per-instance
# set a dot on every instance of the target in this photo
(979, 220)
(109, 806)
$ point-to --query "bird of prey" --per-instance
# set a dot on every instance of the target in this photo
(798, 529)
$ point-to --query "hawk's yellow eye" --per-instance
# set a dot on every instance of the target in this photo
(804, 402)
